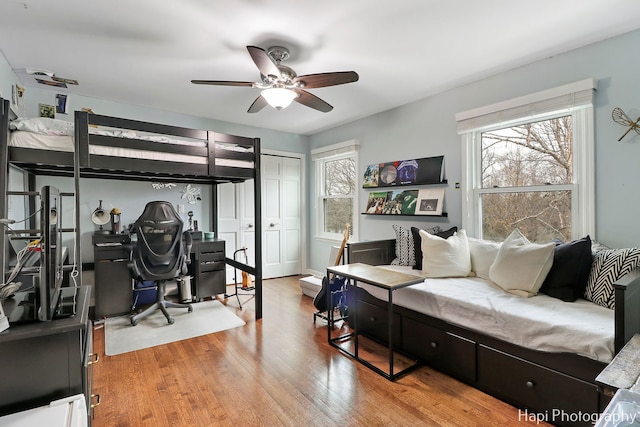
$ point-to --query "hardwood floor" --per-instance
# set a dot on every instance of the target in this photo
(277, 371)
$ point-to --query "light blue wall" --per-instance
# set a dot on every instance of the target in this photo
(7, 78)
(427, 128)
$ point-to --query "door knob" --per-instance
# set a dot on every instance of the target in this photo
(249, 225)
(273, 224)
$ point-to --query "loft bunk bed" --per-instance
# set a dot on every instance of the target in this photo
(98, 146)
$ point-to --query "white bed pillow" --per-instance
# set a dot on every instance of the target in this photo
(521, 266)
(445, 257)
(483, 254)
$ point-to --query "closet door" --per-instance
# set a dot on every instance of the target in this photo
(281, 216)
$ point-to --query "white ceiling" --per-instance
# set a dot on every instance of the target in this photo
(145, 52)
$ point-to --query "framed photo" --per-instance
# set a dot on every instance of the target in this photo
(376, 202)
(370, 176)
(401, 202)
(48, 111)
(430, 201)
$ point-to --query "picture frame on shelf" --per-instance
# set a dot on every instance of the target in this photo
(425, 171)
(376, 202)
(401, 202)
(371, 175)
(430, 201)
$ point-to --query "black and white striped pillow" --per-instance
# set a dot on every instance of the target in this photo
(405, 252)
(607, 268)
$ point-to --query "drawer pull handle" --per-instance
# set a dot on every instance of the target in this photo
(95, 399)
(434, 344)
(530, 384)
(93, 358)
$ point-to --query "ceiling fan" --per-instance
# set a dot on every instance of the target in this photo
(281, 85)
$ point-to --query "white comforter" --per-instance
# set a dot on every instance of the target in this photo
(540, 322)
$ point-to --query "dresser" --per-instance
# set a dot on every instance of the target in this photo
(45, 361)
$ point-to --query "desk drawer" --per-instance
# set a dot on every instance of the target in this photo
(210, 256)
(101, 254)
(532, 386)
(211, 266)
(211, 283)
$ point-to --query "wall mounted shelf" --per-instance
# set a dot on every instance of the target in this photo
(443, 215)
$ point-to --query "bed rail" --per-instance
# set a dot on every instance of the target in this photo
(627, 312)
(375, 252)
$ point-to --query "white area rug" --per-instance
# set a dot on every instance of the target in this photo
(206, 318)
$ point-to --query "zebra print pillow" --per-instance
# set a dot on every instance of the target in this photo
(405, 252)
(608, 267)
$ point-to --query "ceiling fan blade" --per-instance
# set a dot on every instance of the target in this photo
(311, 81)
(257, 105)
(310, 100)
(222, 83)
(264, 63)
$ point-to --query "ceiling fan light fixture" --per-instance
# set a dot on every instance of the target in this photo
(279, 97)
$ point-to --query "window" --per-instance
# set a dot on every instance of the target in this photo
(336, 179)
(528, 164)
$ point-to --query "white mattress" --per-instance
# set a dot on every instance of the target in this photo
(540, 322)
(32, 140)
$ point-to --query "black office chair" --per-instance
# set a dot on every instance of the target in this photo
(161, 253)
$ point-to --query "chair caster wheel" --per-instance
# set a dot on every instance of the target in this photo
(190, 309)
(170, 320)
(134, 322)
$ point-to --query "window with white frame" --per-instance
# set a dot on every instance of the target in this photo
(336, 188)
(528, 164)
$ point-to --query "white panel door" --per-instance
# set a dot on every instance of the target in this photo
(281, 216)
(228, 222)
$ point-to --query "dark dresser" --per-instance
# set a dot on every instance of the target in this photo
(46, 361)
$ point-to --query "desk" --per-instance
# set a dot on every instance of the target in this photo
(382, 278)
(113, 282)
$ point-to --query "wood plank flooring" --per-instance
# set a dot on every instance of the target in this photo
(278, 371)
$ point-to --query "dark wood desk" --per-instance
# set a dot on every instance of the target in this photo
(382, 278)
(114, 284)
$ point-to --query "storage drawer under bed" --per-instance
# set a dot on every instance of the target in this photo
(536, 388)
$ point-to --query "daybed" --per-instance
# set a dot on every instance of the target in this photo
(540, 354)
(97, 146)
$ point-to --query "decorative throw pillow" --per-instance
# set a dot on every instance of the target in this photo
(569, 273)
(417, 241)
(445, 257)
(521, 266)
(483, 254)
(405, 253)
(608, 267)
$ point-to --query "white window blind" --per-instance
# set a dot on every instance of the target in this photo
(570, 96)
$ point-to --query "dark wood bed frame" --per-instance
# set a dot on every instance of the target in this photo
(555, 385)
(85, 165)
